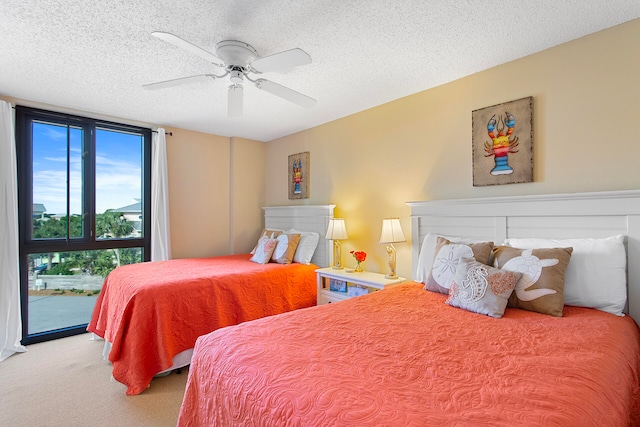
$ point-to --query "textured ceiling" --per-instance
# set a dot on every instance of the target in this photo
(94, 56)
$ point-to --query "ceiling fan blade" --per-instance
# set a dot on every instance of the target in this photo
(282, 60)
(285, 93)
(180, 81)
(234, 105)
(189, 47)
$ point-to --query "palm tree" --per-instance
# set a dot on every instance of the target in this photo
(48, 227)
(113, 225)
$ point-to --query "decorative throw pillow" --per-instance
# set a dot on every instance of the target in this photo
(286, 247)
(596, 276)
(445, 262)
(541, 287)
(428, 251)
(272, 234)
(481, 289)
(264, 250)
(306, 246)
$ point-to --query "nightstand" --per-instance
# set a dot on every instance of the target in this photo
(352, 283)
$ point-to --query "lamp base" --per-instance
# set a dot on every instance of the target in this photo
(391, 251)
(337, 255)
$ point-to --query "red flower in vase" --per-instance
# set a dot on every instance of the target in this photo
(360, 256)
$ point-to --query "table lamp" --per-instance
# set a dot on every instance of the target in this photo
(391, 233)
(336, 232)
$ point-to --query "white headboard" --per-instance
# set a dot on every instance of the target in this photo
(560, 216)
(304, 218)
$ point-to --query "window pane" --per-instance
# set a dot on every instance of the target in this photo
(63, 286)
(69, 169)
(118, 184)
(57, 181)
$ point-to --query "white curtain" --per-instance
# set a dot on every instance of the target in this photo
(10, 321)
(160, 243)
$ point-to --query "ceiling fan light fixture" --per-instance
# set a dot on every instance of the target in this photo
(234, 104)
(236, 76)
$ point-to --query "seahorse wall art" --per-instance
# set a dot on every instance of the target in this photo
(506, 158)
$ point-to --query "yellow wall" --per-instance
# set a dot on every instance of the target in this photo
(248, 160)
(216, 190)
(198, 203)
(586, 96)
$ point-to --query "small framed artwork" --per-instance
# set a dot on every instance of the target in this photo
(299, 176)
(337, 285)
(502, 139)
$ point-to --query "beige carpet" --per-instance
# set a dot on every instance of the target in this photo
(66, 382)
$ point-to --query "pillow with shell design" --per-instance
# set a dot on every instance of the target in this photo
(446, 259)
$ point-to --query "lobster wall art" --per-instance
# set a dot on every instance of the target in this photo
(502, 143)
(299, 176)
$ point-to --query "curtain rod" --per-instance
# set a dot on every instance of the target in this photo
(67, 115)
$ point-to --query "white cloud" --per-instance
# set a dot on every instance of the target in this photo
(118, 170)
(116, 185)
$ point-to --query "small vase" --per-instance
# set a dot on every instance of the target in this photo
(358, 268)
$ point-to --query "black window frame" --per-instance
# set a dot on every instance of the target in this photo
(25, 116)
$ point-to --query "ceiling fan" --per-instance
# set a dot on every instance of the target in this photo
(238, 60)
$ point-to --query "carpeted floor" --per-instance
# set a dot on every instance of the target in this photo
(66, 382)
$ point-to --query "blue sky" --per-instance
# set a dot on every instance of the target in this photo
(118, 168)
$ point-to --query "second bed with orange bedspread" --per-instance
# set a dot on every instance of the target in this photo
(150, 312)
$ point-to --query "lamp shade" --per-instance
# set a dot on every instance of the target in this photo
(336, 230)
(391, 231)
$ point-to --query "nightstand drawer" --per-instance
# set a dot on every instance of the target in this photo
(330, 298)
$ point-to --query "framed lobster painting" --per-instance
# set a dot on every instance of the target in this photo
(299, 176)
(502, 141)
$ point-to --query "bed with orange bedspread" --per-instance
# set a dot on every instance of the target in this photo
(402, 357)
(150, 312)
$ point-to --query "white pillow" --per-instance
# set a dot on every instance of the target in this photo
(428, 252)
(306, 246)
(596, 275)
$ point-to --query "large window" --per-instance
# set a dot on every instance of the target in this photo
(84, 198)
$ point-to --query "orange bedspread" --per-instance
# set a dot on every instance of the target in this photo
(152, 311)
(402, 357)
